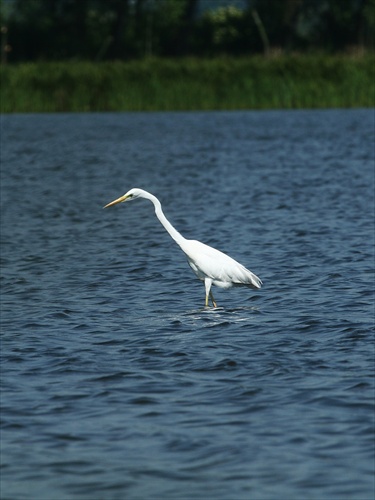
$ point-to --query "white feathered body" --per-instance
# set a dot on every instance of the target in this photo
(225, 272)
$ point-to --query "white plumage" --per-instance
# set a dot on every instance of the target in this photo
(210, 265)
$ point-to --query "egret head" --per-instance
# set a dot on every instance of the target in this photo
(132, 194)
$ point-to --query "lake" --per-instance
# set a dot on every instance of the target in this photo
(116, 381)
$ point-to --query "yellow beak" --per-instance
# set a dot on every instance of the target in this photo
(114, 202)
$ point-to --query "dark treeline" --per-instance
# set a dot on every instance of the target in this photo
(127, 29)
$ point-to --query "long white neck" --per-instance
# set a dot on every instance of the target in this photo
(178, 238)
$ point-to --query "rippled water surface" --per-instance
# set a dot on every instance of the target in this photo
(116, 382)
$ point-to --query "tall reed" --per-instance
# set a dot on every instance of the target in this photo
(289, 82)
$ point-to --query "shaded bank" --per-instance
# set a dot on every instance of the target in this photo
(284, 82)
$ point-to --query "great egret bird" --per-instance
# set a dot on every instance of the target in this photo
(210, 265)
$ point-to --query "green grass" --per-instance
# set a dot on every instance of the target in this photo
(283, 82)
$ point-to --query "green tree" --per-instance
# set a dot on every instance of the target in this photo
(123, 29)
(224, 31)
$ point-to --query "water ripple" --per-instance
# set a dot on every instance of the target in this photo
(116, 381)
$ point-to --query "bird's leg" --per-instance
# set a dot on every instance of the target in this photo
(213, 300)
(207, 285)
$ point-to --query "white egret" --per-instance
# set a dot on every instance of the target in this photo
(210, 265)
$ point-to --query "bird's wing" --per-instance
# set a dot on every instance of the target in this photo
(222, 269)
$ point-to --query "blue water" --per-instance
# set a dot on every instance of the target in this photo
(116, 381)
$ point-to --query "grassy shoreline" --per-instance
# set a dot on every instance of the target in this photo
(283, 82)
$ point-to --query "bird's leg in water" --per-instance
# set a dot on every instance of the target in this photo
(207, 285)
(213, 300)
